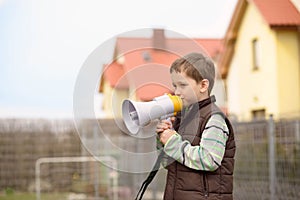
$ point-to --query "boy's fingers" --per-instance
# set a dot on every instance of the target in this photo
(161, 126)
(158, 129)
(173, 119)
(167, 122)
(164, 124)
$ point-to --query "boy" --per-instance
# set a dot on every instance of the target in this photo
(200, 142)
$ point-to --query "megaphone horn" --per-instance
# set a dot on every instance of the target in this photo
(138, 114)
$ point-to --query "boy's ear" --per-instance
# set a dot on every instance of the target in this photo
(204, 85)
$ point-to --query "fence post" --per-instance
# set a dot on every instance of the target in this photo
(96, 170)
(297, 132)
(272, 163)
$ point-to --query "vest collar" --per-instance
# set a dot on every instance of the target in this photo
(201, 104)
(190, 112)
(207, 101)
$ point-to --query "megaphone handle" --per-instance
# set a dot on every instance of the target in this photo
(168, 118)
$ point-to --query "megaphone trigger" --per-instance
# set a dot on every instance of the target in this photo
(170, 123)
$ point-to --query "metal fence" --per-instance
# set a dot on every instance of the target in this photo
(267, 160)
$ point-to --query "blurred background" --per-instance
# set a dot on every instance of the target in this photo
(66, 66)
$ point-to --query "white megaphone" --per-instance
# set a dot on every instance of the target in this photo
(139, 114)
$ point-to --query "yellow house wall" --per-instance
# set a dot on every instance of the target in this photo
(112, 101)
(247, 89)
(106, 105)
(288, 72)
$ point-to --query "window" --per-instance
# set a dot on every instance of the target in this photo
(256, 56)
(146, 56)
(259, 114)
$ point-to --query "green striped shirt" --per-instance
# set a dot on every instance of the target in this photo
(209, 154)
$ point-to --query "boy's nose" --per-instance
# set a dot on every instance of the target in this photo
(177, 92)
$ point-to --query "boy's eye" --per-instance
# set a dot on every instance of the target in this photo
(180, 85)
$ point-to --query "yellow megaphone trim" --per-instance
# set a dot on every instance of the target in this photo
(177, 102)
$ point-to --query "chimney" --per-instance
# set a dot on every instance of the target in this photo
(158, 39)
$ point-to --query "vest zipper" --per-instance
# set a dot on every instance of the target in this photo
(205, 185)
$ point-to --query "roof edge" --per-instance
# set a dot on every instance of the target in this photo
(230, 37)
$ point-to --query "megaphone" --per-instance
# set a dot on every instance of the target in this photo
(139, 114)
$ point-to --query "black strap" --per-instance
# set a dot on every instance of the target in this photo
(150, 176)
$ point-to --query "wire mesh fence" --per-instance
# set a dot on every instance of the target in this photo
(267, 161)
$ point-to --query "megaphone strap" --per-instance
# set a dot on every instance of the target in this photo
(150, 177)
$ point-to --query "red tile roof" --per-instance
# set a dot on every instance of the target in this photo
(213, 47)
(278, 12)
(147, 69)
(114, 72)
(209, 46)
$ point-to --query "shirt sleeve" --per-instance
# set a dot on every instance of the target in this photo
(209, 154)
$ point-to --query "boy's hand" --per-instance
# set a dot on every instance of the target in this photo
(163, 130)
(165, 136)
(162, 126)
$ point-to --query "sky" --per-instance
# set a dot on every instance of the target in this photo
(44, 43)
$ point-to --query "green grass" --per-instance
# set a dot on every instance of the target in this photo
(32, 196)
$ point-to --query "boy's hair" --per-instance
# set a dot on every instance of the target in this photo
(197, 67)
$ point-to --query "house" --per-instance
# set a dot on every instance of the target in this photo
(261, 59)
(140, 67)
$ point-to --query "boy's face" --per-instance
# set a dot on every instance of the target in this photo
(188, 89)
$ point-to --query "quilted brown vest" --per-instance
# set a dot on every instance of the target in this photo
(184, 183)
